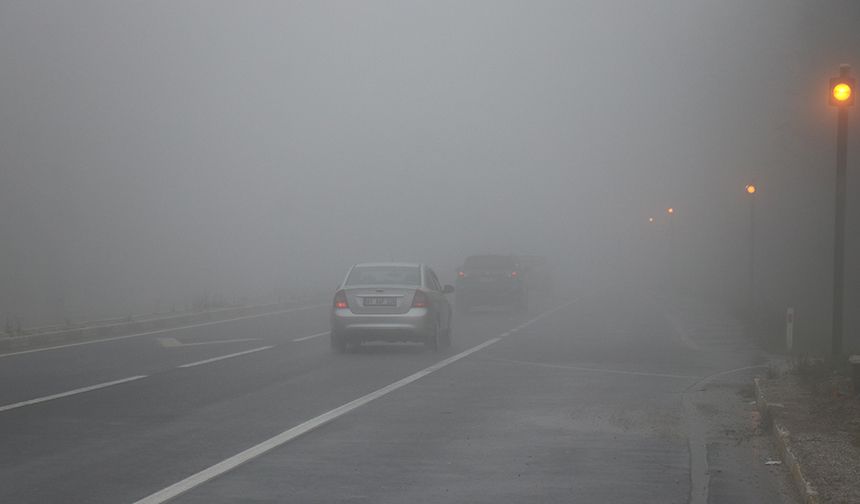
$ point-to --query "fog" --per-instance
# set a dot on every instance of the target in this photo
(157, 153)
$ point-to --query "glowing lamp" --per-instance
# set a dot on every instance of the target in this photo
(842, 91)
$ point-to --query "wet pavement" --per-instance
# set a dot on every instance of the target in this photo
(612, 397)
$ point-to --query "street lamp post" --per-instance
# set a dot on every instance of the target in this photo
(672, 256)
(751, 191)
(842, 97)
(652, 241)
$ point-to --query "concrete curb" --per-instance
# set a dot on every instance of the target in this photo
(123, 329)
(783, 440)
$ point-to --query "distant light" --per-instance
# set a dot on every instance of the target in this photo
(751, 188)
(842, 92)
(670, 210)
(513, 274)
(461, 274)
(651, 220)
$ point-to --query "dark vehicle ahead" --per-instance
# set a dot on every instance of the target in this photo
(391, 302)
(490, 280)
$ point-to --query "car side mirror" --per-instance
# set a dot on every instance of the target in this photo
(447, 289)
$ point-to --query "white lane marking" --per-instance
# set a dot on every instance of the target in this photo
(595, 370)
(231, 463)
(70, 393)
(311, 336)
(697, 437)
(162, 331)
(173, 342)
(215, 359)
(290, 434)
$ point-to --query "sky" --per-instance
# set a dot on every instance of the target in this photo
(156, 152)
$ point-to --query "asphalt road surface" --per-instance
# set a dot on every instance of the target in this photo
(614, 397)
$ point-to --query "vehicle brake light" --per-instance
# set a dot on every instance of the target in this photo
(419, 300)
(514, 274)
(461, 274)
(340, 300)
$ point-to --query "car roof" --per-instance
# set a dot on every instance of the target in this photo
(377, 264)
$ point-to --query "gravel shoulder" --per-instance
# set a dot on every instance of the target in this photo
(822, 415)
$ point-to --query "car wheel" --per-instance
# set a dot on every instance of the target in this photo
(446, 337)
(338, 342)
(432, 340)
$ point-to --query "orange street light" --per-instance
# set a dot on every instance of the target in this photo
(842, 89)
(670, 210)
(842, 92)
(751, 189)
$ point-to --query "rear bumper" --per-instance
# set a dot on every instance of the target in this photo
(415, 325)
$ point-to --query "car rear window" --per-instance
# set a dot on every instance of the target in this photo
(490, 262)
(384, 275)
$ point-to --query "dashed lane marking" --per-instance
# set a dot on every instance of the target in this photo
(228, 356)
(163, 331)
(118, 382)
(304, 338)
(175, 343)
(70, 393)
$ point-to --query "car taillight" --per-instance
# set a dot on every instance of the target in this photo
(514, 274)
(461, 274)
(340, 300)
(419, 300)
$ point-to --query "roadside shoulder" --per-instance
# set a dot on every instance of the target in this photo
(817, 430)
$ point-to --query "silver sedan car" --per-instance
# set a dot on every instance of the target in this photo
(391, 302)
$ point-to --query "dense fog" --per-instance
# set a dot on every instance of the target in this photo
(156, 154)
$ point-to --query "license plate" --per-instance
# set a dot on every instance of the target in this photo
(380, 301)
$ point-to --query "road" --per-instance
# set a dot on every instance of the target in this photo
(607, 397)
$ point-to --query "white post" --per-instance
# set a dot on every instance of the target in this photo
(789, 329)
